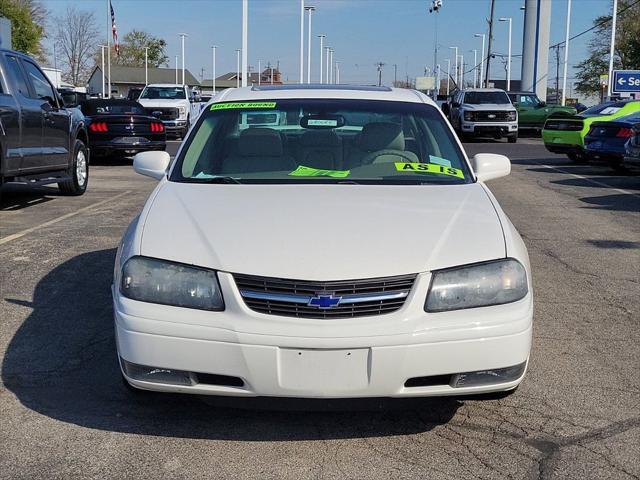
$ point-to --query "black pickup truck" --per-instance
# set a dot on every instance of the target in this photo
(41, 141)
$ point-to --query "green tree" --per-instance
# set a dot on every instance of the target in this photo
(27, 25)
(627, 48)
(132, 50)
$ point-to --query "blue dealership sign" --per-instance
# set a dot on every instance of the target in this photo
(626, 81)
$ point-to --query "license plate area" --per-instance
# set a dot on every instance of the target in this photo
(318, 371)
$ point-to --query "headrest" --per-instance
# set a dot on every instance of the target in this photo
(320, 138)
(260, 142)
(381, 136)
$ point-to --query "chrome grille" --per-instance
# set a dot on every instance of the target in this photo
(489, 116)
(295, 298)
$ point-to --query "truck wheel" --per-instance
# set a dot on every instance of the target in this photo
(577, 157)
(512, 138)
(79, 172)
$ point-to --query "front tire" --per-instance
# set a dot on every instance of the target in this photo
(79, 171)
(512, 138)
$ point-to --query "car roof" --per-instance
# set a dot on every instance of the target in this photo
(317, 91)
(482, 90)
(165, 85)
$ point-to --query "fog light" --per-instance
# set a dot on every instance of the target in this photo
(488, 377)
(158, 375)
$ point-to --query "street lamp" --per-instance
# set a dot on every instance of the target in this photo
(237, 67)
(482, 58)
(309, 9)
(321, 37)
(146, 66)
(213, 60)
(245, 41)
(182, 36)
(327, 55)
(508, 19)
(448, 75)
(461, 75)
(337, 72)
(566, 55)
(455, 70)
(475, 67)
(301, 41)
(331, 65)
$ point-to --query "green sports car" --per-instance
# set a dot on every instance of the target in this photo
(565, 134)
(533, 112)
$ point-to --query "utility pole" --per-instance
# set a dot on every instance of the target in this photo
(380, 65)
(558, 47)
(486, 76)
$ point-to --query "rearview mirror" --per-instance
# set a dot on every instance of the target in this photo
(151, 164)
(488, 166)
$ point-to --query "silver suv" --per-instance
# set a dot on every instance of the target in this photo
(484, 112)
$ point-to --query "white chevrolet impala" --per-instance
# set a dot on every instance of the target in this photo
(322, 242)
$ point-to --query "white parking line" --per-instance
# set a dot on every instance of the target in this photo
(595, 182)
(61, 218)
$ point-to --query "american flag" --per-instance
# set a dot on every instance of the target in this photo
(116, 45)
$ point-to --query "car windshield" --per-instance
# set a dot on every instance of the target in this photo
(164, 93)
(115, 107)
(479, 98)
(321, 141)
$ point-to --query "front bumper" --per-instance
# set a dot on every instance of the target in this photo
(489, 128)
(173, 126)
(342, 358)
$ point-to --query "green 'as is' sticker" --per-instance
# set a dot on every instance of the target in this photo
(303, 171)
(235, 105)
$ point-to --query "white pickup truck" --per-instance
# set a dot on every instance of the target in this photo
(176, 105)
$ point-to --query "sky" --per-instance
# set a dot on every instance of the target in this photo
(362, 32)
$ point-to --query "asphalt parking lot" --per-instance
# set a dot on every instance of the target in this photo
(66, 414)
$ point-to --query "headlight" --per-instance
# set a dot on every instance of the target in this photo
(481, 285)
(468, 116)
(159, 281)
(182, 111)
(511, 116)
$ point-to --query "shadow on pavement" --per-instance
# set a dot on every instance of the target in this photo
(17, 197)
(615, 244)
(618, 203)
(62, 363)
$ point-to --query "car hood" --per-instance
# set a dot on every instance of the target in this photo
(151, 103)
(322, 232)
(501, 107)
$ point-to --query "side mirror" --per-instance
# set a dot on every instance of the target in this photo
(488, 166)
(543, 104)
(152, 164)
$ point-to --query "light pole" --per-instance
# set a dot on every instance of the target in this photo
(566, 55)
(146, 66)
(337, 72)
(102, 47)
(301, 41)
(327, 55)
(475, 67)
(613, 44)
(509, 19)
(461, 71)
(309, 9)
(176, 69)
(321, 37)
(448, 75)
(182, 36)
(213, 61)
(482, 58)
(455, 69)
(245, 41)
(331, 65)
(237, 67)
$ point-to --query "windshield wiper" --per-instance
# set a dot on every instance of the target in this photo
(220, 179)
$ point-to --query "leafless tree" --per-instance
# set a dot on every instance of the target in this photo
(76, 40)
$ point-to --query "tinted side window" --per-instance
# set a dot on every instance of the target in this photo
(41, 85)
(17, 75)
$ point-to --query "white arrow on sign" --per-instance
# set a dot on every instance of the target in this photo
(621, 81)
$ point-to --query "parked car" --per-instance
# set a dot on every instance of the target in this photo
(121, 127)
(41, 141)
(566, 134)
(632, 153)
(607, 140)
(72, 98)
(176, 105)
(533, 112)
(484, 112)
(326, 255)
